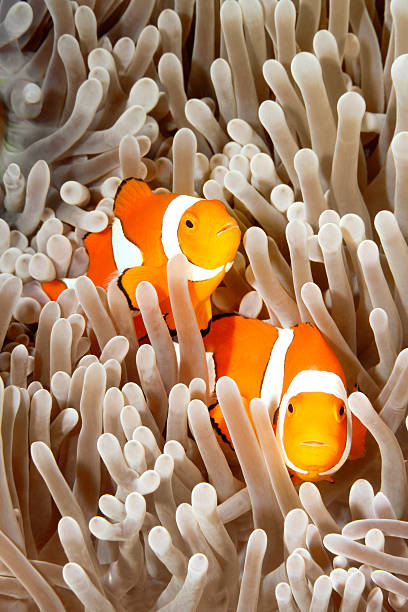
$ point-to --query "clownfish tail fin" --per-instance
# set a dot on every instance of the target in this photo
(129, 191)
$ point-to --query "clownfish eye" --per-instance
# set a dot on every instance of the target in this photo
(189, 223)
(290, 408)
(340, 412)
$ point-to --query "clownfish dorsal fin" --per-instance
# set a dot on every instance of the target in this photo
(129, 192)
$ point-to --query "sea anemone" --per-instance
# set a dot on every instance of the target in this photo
(115, 493)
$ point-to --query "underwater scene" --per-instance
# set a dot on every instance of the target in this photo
(203, 305)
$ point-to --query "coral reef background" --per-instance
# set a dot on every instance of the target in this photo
(114, 491)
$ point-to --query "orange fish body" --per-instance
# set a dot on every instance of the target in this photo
(150, 228)
(295, 372)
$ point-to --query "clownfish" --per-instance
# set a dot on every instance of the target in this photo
(301, 381)
(147, 230)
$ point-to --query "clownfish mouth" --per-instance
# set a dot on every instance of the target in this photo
(225, 228)
(313, 443)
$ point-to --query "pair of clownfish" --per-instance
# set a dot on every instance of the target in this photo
(292, 369)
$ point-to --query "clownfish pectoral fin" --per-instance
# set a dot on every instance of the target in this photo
(53, 288)
(357, 449)
(203, 318)
(296, 480)
(220, 426)
(130, 278)
(203, 313)
(128, 193)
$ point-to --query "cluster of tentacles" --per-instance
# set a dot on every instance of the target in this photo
(114, 492)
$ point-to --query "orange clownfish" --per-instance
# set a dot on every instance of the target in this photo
(297, 374)
(147, 230)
